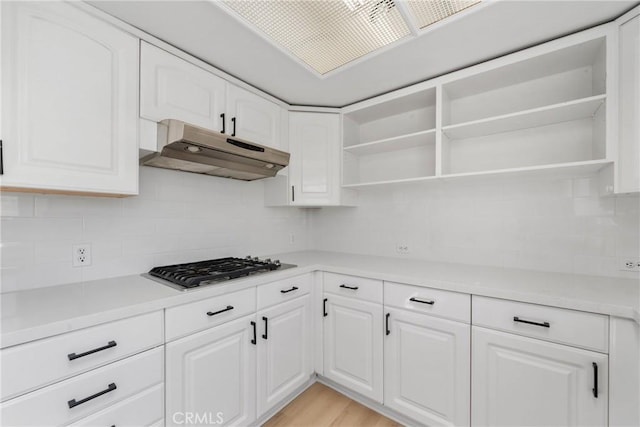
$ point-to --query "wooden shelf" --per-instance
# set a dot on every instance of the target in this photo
(401, 142)
(537, 117)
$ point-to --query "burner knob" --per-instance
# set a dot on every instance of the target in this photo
(276, 262)
(268, 260)
(256, 259)
(248, 257)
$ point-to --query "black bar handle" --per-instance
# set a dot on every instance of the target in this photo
(1, 159)
(529, 322)
(266, 328)
(73, 403)
(386, 323)
(293, 193)
(233, 121)
(324, 308)
(286, 291)
(223, 123)
(595, 380)
(213, 313)
(254, 340)
(353, 288)
(422, 301)
(73, 356)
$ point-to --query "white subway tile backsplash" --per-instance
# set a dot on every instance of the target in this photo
(546, 224)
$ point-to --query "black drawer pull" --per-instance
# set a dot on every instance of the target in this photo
(286, 291)
(353, 288)
(595, 380)
(223, 128)
(73, 403)
(529, 322)
(324, 308)
(254, 341)
(422, 301)
(213, 313)
(266, 328)
(233, 121)
(386, 323)
(73, 356)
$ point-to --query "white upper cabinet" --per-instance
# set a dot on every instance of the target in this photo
(69, 101)
(315, 158)
(172, 88)
(253, 118)
(628, 158)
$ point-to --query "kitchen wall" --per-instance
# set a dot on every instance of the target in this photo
(177, 217)
(542, 224)
(558, 225)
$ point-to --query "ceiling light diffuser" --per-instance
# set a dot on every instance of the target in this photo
(429, 12)
(325, 34)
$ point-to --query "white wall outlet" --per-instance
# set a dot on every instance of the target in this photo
(402, 248)
(82, 255)
(630, 264)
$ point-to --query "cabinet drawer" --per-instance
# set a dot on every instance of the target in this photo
(143, 409)
(91, 392)
(29, 366)
(354, 287)
(196, 316)
(578, 328)
(283, 290)
(450, 305)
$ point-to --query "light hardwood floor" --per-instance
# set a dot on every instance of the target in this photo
(320, 406)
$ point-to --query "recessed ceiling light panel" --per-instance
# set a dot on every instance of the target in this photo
(429, 12)
(325, 34)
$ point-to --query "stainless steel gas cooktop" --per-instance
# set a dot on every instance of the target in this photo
(195, 274)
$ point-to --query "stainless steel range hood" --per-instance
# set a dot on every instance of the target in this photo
(190, 148)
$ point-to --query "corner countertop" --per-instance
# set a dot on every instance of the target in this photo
(43, 312)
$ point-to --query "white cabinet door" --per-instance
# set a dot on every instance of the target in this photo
(211, 376)
(427, 368)
(353, 345)
(69, 95)
(314, 141)
(520, 381)
(629, 125)
(253, 118)
(172, 88)
(284, 351)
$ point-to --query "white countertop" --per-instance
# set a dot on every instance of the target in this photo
(39, 313)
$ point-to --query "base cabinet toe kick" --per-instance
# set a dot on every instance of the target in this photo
(416, 354)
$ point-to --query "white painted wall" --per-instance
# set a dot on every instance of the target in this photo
(558, 225)
(178, 217)
(550, 225)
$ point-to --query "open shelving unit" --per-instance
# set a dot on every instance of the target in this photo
(539, 110)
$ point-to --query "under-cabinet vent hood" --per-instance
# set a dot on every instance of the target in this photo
(190, 148)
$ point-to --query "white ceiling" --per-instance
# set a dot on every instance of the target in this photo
(206, 30)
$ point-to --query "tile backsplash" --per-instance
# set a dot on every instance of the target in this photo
(558, 225)
(551, 225)
(178, 217)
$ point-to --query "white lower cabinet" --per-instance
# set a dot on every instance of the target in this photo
(353, 332)
(426, 368)
(520, 381)
(211, 376)
(284, 351)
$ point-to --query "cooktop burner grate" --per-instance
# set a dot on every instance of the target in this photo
(194, 274)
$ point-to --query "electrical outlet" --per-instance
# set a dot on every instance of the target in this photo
(82, 255)
(628, 264)
(402, 248)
